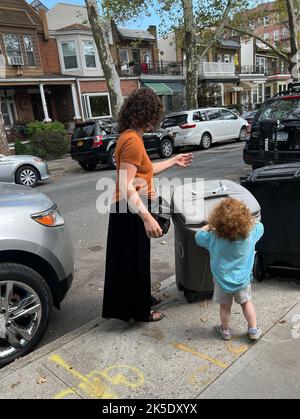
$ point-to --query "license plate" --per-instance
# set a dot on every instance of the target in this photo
(79, 143)
(281, 136)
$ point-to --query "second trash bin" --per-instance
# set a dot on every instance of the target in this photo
(193, 274)
(277, 189)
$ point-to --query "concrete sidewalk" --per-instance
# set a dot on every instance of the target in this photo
(179, 357)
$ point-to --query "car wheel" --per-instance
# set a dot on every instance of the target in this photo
(112, 159)
(206, 141)
(166, 148)
(258, 269)
(88, 167)
(27, 176)
(243, 135)
(25, 310)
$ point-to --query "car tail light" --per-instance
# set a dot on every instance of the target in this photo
(49, 218)
(187, 126)
(98, 141)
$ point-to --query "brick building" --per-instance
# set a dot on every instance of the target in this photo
(32, 86)
(262, 70)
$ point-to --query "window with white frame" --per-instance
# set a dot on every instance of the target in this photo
(268, 92)
(255, 95)
(96, 105)
(29, 50)
(266, 36)
(266, 21)
(276, 35)
(285, 32)
(8, 111)
(13, 49)
(69, 55)
(260, 93)
(89, 54)
(124, 56)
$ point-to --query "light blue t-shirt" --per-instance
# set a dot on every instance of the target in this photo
(231, 262)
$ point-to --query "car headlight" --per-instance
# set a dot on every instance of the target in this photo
(49, 218)
(38, 160)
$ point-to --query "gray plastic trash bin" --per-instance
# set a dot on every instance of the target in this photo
(193, 275)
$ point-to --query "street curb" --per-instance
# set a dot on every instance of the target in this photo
(50, 347)
(63, 340)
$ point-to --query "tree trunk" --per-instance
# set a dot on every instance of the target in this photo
(293, 26)
(192, 62)
(110, 73)
(4, 149)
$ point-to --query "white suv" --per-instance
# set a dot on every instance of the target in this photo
(205, 126)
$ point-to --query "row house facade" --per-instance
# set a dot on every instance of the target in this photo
(135, 54)
(32, 86)
(218, 80)
(262, 70)
(50, 69)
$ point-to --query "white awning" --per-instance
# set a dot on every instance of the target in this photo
(233, 89)
(249, 85)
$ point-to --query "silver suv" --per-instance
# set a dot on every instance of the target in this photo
(36, 267)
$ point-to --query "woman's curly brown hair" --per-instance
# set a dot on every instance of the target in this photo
(142, 109)
(231, 220)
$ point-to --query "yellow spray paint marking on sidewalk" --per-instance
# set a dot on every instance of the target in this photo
(236, 350)
(120, 379)
(197, 378)
(93, 384)
(214, 361)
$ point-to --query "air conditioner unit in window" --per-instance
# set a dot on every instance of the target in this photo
(16, 60)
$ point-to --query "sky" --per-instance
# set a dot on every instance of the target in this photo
(143, 24)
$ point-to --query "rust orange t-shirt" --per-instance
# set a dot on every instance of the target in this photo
(130, 149)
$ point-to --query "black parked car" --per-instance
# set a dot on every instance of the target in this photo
(94, 142)
(275, 131)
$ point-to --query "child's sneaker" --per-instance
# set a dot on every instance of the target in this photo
(255, 333)
(225, 334)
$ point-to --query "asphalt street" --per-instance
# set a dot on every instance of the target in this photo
(76, 196)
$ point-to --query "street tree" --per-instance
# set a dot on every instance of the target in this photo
(101, 31)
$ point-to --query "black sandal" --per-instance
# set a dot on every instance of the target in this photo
(154, 301)
(152, 317)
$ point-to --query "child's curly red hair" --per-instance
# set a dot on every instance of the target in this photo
(231, 220)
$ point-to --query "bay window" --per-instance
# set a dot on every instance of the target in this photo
(69, 55)
(89, 54)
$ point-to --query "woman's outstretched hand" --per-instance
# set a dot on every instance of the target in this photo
(183, 160)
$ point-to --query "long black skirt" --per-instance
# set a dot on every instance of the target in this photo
(127, 290)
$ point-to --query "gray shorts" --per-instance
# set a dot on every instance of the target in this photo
(221, 297)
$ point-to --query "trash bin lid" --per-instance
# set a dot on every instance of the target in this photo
(280, 172)
(193, 202)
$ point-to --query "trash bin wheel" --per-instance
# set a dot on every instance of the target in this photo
(258, 269)
(190, 296)
(180, 287)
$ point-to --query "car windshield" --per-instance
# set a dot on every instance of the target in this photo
(174, 120)
(283, 109)
(82, 131)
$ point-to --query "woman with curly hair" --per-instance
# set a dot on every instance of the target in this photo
(230, 237)
(127, 290)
